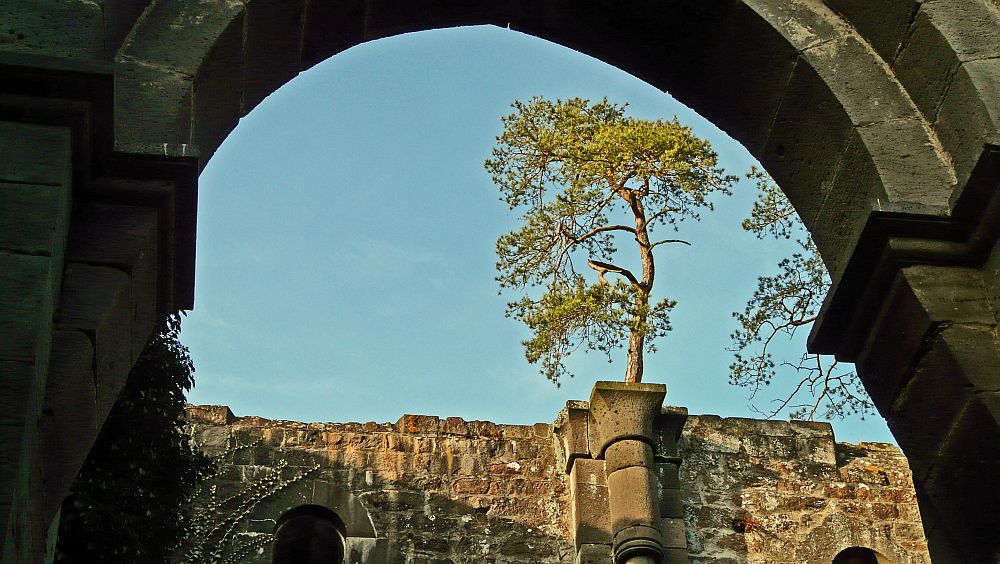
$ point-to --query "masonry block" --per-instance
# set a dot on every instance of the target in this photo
(968, 117)
(125, 238)
(418, 424)
(273, 38)
(97, 300)
(593, 554)
(34, 218)
(69, 423)
(34, 154)
(884, 24)
(632, 499)
(801, 161)
(912, 175)
(739, 38)
(571, 431)
(866, 91)
(152, 108)
(667, 429)
(176, 36)
(71, 29)
(25, 305)
(589, 490)
(620, 410)
(625, 454)
(218, 90)
(672, 529)
(972, 452)
(925, 65)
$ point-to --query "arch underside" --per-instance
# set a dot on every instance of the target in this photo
(879, 120)
(804, 91)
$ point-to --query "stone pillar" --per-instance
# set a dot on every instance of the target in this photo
(35, 183)
(917, 310)
(620, 453)
(95, 247)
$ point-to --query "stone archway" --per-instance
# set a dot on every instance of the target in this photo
(881, 123)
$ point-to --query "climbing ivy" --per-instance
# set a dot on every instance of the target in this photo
(126, 504)
(212, 537)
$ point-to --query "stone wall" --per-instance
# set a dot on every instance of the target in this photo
(430, 490)
(797, 495)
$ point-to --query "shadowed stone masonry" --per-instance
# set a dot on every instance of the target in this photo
(426, 489)
(880, 120)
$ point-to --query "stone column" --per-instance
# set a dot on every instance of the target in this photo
(95, 247)
(621, 432)
(620, 452)
(917, 310)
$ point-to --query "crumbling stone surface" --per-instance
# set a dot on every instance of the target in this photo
(773, 491)
(446, 490)
(432, 490)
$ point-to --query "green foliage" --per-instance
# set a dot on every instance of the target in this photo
(126, 503)
(781, 305)
(570, 167)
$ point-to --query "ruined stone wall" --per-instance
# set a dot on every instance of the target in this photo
(798, 495)
(430, 490)
(421, 490)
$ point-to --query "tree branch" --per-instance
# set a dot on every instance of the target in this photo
(603, 229)
(603, 267)
(653, 246)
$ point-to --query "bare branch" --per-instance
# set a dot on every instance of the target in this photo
(604, 267)
(681, 241)
(603, 229)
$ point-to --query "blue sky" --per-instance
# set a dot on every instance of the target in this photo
(346, 245)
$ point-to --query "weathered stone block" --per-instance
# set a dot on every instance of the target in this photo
(969, 114)
(667, 428)
(671, 502)
(623, 454)
(273, 39)
(71, 29)
(620, 410)
(911, 175)
(673, 533)
(123, 238)
(593, 554)
(859, 80)
(177, 36)
(973, 445)
(152, 109)
(571, 429)
(801, 161)
(25, 305)
(34, 218)
(69, 424)
(589, 491)
(970, 28)
(883, 24)
(418, 424)
(454, 426)
(97, 300)
(35, 154)
(218, 90)
(211, 414)
(632, 499)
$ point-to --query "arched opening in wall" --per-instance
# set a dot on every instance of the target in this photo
(859, 555)
(356, 190)
(309, 534)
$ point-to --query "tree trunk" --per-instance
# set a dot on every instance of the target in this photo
(633, 372)
(636, 339)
